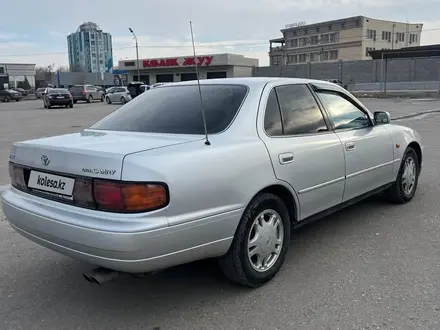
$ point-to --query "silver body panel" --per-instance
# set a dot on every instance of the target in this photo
(209, 186)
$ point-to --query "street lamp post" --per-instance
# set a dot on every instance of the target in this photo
(137, 53)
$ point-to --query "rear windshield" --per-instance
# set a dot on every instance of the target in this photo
(176, 110)
(77, 88)
(58, 90)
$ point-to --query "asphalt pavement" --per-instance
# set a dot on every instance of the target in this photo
(371, 266)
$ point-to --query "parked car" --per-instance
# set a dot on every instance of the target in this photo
(87, 93)
(57, 97)
(110, 89)
(150, 186)
(144, 88)
(118, 94)
(10, 95)
(39, 92)
(21, 91)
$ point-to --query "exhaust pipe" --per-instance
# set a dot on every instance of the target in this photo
(100, 275)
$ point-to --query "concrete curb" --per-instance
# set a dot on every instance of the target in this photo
(416, 114)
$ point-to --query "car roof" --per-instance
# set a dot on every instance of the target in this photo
(251, 81)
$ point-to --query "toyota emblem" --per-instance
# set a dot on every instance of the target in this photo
(45, 160)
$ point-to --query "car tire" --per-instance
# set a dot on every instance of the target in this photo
(107, 99)
(44, 104)
(237, 265)
(89, 99)
(75, 102)
(71, 105)
(404, 188)
(123, 101)
(6, 99)
(102, 98)
(49, 106)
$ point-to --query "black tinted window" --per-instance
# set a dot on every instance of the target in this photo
(57, 90)
(77, 88)
(301, 114)
(272, 116)
(343, 113)
(176, 110)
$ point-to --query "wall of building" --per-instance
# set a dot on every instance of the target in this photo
(19, 72)
(362, 71)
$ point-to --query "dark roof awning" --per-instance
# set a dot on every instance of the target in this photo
(407, 52)
(277, 40)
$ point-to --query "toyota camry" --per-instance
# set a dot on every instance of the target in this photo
(226, 171)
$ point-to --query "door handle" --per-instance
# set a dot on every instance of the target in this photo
(350, 146)
(285, 158)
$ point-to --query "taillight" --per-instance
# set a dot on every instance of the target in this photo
(129, 197)
(83, 193)
(84, 92)
(17, 176)
(70, 95)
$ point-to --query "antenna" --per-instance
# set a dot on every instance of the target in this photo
(200, 89)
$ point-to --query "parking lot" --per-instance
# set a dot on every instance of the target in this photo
(371, 266)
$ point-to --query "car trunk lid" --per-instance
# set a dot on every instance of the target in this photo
(89, 153)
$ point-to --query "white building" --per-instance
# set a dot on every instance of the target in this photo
(346, 39)
(18, 72)
(90, 49)
(173, 69)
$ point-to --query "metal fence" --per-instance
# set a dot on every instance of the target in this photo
(377, 74)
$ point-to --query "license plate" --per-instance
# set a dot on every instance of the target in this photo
(60, 97)
(51, 183)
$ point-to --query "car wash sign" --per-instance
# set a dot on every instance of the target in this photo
(178, 62)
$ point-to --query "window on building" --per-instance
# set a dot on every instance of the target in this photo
(131, 63)
(324, 56)
(317, 29)
(314, 57)
(400, 37)
(314, 40)
(330, 27)
(334, 37)
(292, 59)
(302, 58)
(325, 38)
(295, 43)
(300, 112)
(302, 42)
(306, 31)
(334, 54)
(413, 38)
(343, 25)
(371, 34)
(2, 70)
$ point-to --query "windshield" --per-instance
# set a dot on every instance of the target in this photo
(176, 110)
(58, 90)
(77, 88)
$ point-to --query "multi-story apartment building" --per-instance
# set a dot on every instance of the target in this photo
(90, 49)
(344, 39)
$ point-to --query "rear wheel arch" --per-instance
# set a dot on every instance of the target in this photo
(286, 196)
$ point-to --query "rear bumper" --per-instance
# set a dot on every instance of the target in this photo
(125, 244)
(80, 98)
(60, 101)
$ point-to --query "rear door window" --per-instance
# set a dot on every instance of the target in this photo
(176, 110)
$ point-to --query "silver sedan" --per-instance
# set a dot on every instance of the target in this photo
(153, 185)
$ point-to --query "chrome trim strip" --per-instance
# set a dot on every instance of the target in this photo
(397, 160)
(321, 185)
(370, 169)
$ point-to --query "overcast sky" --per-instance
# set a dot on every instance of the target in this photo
(35, 31)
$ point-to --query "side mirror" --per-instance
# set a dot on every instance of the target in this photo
(382, 117)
